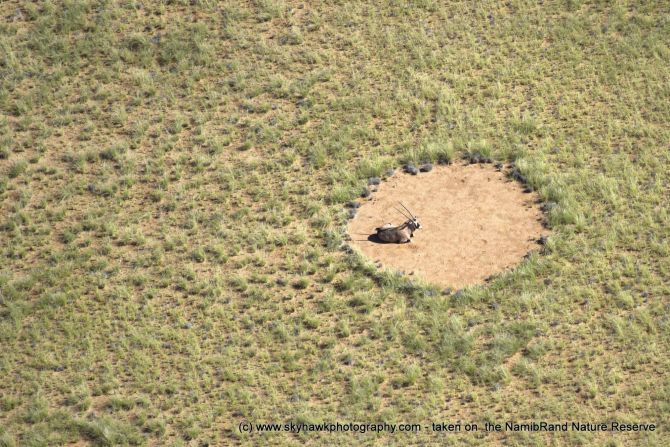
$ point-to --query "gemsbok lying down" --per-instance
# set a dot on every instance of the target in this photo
(400, 234)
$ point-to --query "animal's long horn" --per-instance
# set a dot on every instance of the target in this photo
(403, 214)
(410, 213)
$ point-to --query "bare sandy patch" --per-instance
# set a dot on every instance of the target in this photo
(475, 222)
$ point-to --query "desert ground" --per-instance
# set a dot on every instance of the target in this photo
(476, 222)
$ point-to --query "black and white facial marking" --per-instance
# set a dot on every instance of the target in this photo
(414, 224)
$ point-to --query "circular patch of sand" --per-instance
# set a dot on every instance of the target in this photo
(475, 222)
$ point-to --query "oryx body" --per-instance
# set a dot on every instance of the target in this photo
(400, 234)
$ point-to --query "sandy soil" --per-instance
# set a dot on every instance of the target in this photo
(475, 222)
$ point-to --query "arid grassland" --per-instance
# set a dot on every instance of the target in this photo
(172, 182)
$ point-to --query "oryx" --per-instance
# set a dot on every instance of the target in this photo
(401, 233)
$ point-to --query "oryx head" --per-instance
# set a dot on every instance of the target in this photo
(412, 220)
